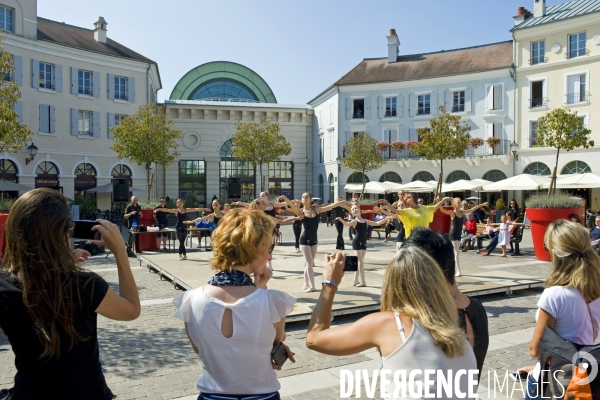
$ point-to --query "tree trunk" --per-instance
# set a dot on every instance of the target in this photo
(438, 187)
(362, 194)
(262, 181)
(552, 187)
(147, 183)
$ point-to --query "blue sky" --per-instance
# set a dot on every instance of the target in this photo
(300, 47)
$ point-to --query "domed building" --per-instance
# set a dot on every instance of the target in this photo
(206, 104)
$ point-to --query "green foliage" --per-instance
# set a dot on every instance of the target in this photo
(87, 205)
(361, 154)
(14, 135)
(553, 201)
(148, 204)
(563, 130)
(500, 204)
(447, 137)
(147, 137)
(259, 143)
(169, 202)
(191, 201)
(6, 203)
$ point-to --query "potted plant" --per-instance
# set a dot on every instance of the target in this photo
(382, 146)
(397, 146)
(492, 142)
(87, 205)
(147, 241)
(410, 146)
(541, 210)
(476, 142)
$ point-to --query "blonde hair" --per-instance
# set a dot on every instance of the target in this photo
(255, 204)
(242, 236)
(575, 264)
(415, 286)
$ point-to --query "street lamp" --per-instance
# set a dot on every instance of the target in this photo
(338, 160)
(32, 150)
(513, 148)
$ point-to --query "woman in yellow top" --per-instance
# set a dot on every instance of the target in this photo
(414, 215)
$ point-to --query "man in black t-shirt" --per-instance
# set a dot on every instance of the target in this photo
(161, 220)
(133, 213)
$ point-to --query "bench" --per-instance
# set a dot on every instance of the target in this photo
(380, 229)
(480, 230)
(516, 238)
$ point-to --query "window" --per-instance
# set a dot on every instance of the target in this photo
(457, 176)
(330, 113)
(390, 106)
(359, 108)
(458, 101)
(85, 122)
(119, 119)
(6, 18)
(321, 149)
(576, 89)
(120, 88)
(576, 45)
(192, 179)
(536, 94)
(533, 134)
(331, 146)
(537, 168)
(494, 97)
(84, 79)
(46, 119)
(424, 104)
(280, 178)
(46, 78)
(538, 52)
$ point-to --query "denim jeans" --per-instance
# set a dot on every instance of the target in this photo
(532, 386)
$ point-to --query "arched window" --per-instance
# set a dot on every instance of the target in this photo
(494, 175)
(537, 168)
(357, 177)
(330, 180)
(576, 167)
(321, 187)
(390, 177)
(456, 176)
(47, 176)
(224, 89)
(85, 177)
(121, 171)
(9, 171)
(226, 149)
(423, 176)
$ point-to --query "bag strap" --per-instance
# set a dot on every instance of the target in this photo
(592, 320)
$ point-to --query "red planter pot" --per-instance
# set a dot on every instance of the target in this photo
(364, 207)
(148, 240)
(441, 222)
(540, 219)
(3, 218)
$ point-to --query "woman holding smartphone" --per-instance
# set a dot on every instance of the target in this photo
(49, 304)
(359, 243)
(236, 363)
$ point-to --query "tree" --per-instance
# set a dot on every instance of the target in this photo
(562, 129)
(361, 155)
(147, 137)
(14, 135)
(259, 143)
(447, 137)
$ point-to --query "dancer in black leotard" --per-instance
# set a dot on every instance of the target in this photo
(308, 239)
(214, 217)
(458, 218)
(181, 227)
(340, 212)
(359, 243)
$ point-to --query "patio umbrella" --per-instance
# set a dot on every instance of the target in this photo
(460, 186)
(518, 182)
(8, 186)
(353, 187)
(589, 180)
(418, 187)
(108, 188)
(394, 186)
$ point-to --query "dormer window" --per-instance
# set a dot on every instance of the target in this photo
(7, 15)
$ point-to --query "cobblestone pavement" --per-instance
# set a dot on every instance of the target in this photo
(151, 357)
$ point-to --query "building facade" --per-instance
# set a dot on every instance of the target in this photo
(75, 84)
(557, 56)
(390, 98)
(206, 104)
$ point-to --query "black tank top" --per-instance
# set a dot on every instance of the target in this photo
(340, 212)
(271, 212)
(361, 232)
(456, 227)
(216, 220)
(180, 218)
(309, 234)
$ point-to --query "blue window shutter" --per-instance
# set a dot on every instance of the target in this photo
(52, 116)
(111, 86)
(19, 110)
(74, 80)
(58, 78)
(131, 90)
(18, 64)
(74, 121)
(412, 104)
(468, 100)
(44, 118)
(380, 107)
(96, 83)
(35, 73)
(111, 123)
(349, 109)
(96, 123)
(367, 111)
(433, 102)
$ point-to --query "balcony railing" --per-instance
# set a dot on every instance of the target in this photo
(458, 108)
(86, 133)
(503, 148)
(577, 97)
(576, 53)
(537, 60)
(85, 91)
(538, 102)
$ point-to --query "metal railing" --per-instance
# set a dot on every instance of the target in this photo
(576, 53)
(537, 60)
(85, 91)
(503, 148)
(458, 108)
(86, 133)
(120, 96)
(538, 102)
(577, 97)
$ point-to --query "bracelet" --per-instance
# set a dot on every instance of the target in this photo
(329, 282)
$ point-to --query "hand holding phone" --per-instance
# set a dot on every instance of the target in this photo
(279, 355)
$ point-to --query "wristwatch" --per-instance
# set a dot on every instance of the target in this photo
(329, 282)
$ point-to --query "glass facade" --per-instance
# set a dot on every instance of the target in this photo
(223, 89)
(280, 178)
(192, 179)
(242, 170)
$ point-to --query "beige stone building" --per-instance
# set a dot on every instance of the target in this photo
(75, 84)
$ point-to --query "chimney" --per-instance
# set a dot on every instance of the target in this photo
(520, 17)
(393, 46)
(539, 8)
(100, 30)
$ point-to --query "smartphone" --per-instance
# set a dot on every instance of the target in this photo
(351, 263)
(83, 230)
(519, 375)
(279, 355)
